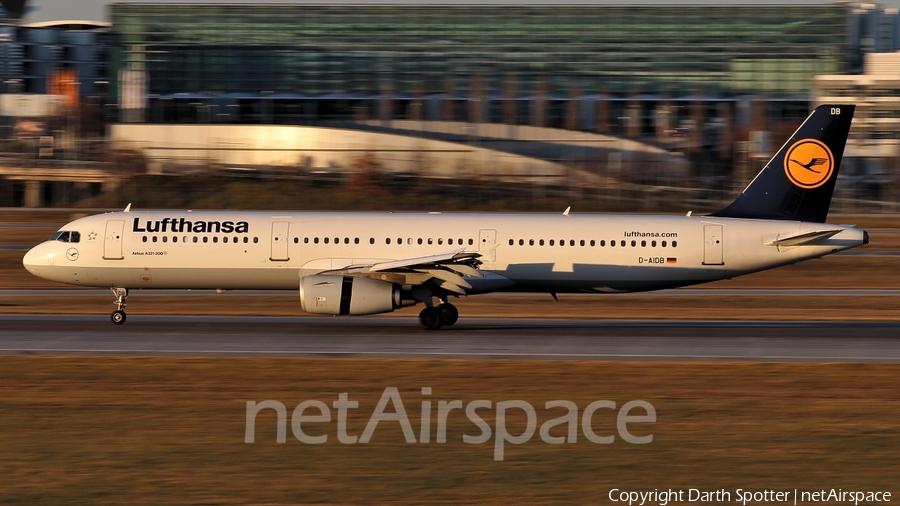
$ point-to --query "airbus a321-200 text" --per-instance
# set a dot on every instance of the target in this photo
(360, 263)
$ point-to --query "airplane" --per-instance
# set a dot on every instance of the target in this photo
(359, 263)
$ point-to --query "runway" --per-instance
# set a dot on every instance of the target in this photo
(677, 292)
(470, 338)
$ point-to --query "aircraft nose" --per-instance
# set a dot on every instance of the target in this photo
(35, 258)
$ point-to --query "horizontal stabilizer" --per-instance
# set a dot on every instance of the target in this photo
(804, 238)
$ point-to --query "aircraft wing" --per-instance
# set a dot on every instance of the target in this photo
(804, 238)
(446, 270)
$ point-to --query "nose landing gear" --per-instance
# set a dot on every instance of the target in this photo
(118, 316)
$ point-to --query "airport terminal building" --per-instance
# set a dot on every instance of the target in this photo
(305, 62)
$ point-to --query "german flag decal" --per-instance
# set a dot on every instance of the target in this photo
(671, 260)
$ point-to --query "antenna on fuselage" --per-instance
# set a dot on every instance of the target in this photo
(127, 208)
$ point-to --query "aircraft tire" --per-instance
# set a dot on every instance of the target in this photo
(431, 318)
(449, 314)
(117, 317)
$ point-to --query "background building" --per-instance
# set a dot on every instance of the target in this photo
(290, 63)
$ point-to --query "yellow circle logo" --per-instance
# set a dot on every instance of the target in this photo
(808, 163)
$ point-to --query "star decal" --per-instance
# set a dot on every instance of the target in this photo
(92, 236)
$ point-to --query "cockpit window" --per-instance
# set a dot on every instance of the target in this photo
(66, 236)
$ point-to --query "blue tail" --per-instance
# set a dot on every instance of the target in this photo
(798, 182)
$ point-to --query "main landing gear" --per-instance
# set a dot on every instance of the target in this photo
(118, 316)
(435, 317)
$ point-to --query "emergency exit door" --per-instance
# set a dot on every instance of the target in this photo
(712, 245)
(487, 245)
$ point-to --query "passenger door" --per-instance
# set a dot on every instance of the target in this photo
(280, 241)
(712, 245)
(112, 240)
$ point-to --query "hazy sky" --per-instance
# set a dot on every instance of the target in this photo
(95, 10)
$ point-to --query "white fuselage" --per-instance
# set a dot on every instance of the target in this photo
(520, 252)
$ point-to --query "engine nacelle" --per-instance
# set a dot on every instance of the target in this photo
(347, 295)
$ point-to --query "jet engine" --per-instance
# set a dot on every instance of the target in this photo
(348, 295)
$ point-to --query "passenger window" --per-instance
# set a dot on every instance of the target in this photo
(612, 244)
(215, 239)
(420, 240)
(195, 238)
(154, 238)
(541, 242)
(622, 244)
(633, 243)
(460, 241)
(551, 242)
(602, 242)
(255, 240)
(471, 242)
(347, 240)
(653, 243)
(387, 240)
(664, 244)
(521, 242)
(531, 242)
(326, 240)
(371, 240)
(205, 239)
(296, 240)
(440, 240)
(144, 239)
(450, 241)
(582, 242)
(643, 244)
(674, 244)
(430, 242)
(511, 242)
(337, 240)
(315, 240)
(175, 238)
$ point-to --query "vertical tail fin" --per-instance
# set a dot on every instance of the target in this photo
(798, 182)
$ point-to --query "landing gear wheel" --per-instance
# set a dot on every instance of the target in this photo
(431, 318)
(449, 314)
(117, 317)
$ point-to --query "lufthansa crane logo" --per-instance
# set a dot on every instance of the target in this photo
(808, 163)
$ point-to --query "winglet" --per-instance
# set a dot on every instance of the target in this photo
(127, 208)
(566, 212)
